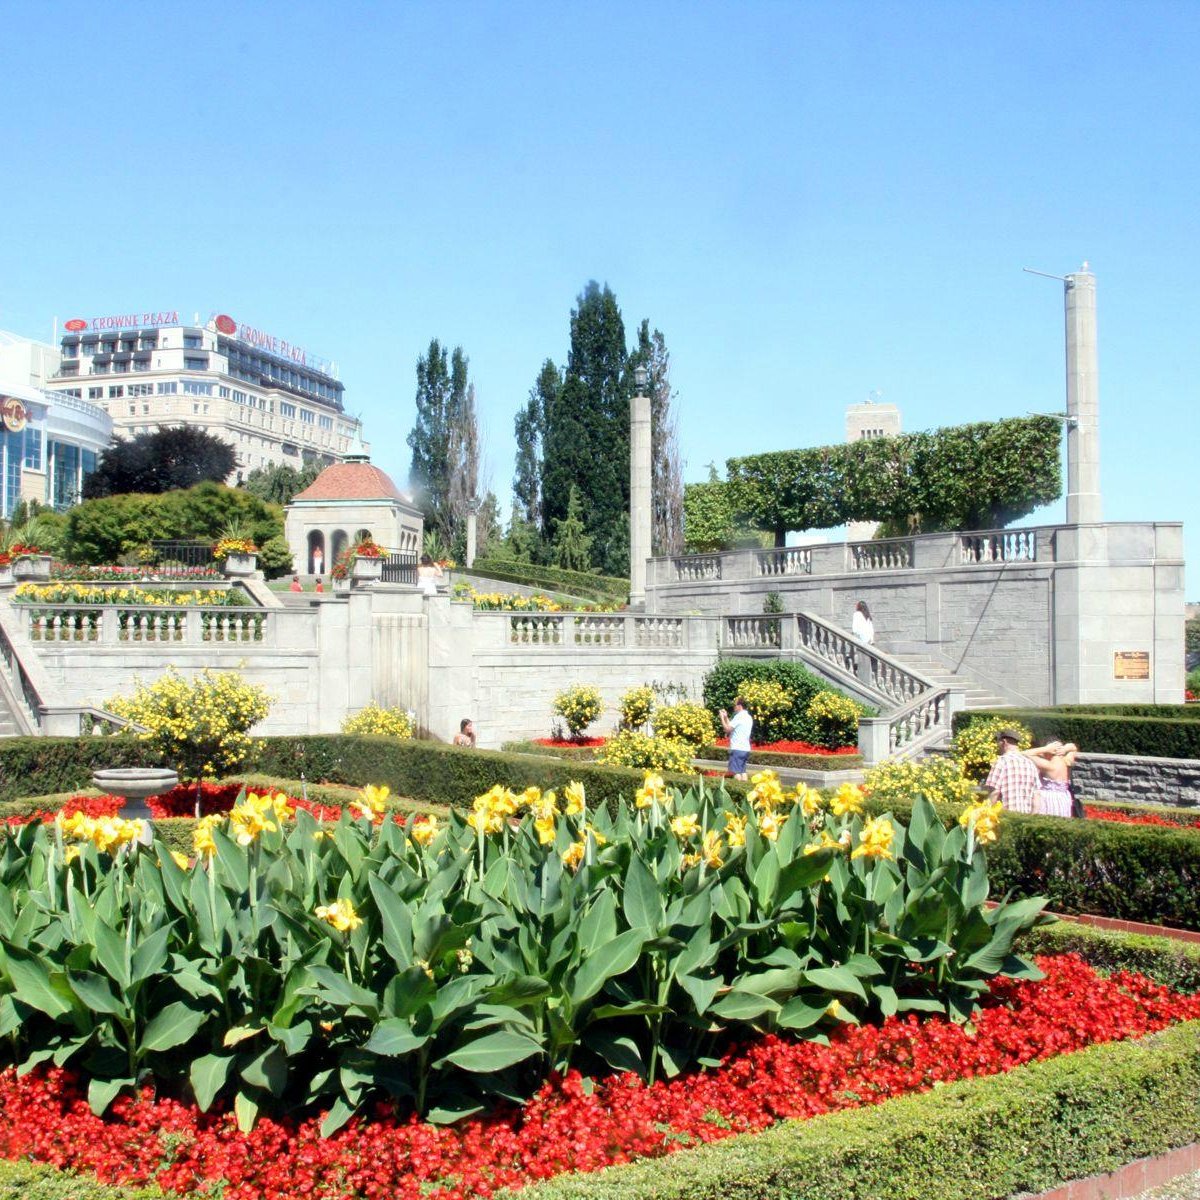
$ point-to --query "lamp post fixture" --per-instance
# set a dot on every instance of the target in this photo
(473, 506)
(639, 487)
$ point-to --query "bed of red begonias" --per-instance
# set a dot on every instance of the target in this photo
(573, 1124)
(792, 747)
(587, 743)
(1112, 814)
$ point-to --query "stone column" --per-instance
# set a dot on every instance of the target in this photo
(472, 510)
(640, 517)
(1083, 400)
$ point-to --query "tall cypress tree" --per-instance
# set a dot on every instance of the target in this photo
(586, 440)
(529, 427)
(666, 487)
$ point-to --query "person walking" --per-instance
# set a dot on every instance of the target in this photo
(1054, 761)
(428, 575)
(738, 728)
(1013, 779)
(861, 624)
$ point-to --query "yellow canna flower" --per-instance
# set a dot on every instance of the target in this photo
(202, 838)
(834, 1010)
(735, 830)
(546, 829)
(70, 854)
(249, 822)
(826, 843)
(372, 802)
(770, 824)
(690, 861)
(575, 799)
(809, 799)
(711, 848)
(848, 799)
(572, 856)
(545, 807)
(875, 839)
(340, 914)
(985, 815)
(180, 860)
(425, 830)
(685, 827)
(652, 791)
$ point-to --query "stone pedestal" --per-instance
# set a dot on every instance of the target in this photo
(366, 570)
(640, 511)
(1083, 401)
(32, 568)
(240, 566)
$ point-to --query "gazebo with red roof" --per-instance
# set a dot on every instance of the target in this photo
(346, 501)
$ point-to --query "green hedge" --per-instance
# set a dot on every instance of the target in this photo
(569, 753)
(1029, 1130)
(578, 583)
(1171, 962)
(776, 758)
(36, 766)
(34, 1181)
(1119, 731)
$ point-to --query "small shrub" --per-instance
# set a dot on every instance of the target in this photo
(636, 706)
(939, 780)
(200, 726)
(633, 749)
(726, 679)
(772, 603)
(975, 745)
(833, 720)
(390, 722)
(688, 722)
(771, 706)
(579, 706)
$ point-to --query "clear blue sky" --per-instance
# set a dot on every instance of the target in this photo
(811, 201)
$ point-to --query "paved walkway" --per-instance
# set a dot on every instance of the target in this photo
(1187, 1187)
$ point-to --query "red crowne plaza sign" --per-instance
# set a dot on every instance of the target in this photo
(123, 321)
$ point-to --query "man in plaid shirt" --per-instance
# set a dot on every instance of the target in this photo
(1013, 779)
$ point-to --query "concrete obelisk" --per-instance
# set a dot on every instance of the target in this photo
(640, 517)
(1083, 400)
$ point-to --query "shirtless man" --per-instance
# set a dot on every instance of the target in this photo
(1054, 761)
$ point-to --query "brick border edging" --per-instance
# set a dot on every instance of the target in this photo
(1130, 1180)
(1117, 925)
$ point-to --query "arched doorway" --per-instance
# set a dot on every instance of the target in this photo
(363, 535)
(339, 544)
(316, 552)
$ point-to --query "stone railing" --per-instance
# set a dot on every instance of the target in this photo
(584, 631)
(122, 624)
(21, 685)
(910, 729)
(792, 561)
(752, 633)
(689, 568)
(999, 546)
(888, 554)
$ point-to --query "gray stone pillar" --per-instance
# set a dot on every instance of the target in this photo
(472, 509)
(1083, 400)
(640, 517)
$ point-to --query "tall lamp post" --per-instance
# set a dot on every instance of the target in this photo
(473, 506)
(639, 488)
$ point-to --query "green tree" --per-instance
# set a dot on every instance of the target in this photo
(462, 485)
(586, 439)
(171, 457)
(529, 428)
(280, 483)
(667, 478)
(572, 545)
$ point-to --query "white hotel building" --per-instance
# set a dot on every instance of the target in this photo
(272, 401)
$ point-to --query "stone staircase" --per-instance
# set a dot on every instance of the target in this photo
(976, 695)
(9, 726)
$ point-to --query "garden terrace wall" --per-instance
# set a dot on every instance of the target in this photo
(1026, 1131)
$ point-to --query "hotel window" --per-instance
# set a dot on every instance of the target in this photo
(286, 409)
(89, 348)
(306, 416)
(114, 392)
(120, 368)
(192, 388)
(95, 393)
(223, 392)
(33, 448)
(145, 410)
(240, 397)
(195, 364)
(141, 389)
(71, 350)
(71, 368)
(100, 369)
(140, 365)
(192, 341)
(326, 422)
(167, 389)
(76, 392)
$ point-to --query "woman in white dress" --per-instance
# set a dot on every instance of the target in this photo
(428, 575)
(861, 624)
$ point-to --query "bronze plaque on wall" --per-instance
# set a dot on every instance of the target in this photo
(1131, 664)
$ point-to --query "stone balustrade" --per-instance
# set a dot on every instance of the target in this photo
(906, 731)
(121, 624)
(584, 631)
(796, 560)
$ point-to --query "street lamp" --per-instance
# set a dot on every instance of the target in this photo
(640, 378)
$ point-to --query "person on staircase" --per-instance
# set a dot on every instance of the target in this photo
(861, 624)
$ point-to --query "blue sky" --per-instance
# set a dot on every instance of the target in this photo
(813, 202)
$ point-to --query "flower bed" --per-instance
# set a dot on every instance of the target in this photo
(786, 747)
(574, 1124)
(1125, 817)
(83, 593)
(90, 573)
(802, 755)
(88, 806)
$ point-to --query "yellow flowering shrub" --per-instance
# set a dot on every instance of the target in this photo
(975, 744)
(388, 722)
(636, 706)
(630, 748)
(770, 705)
(686, 722)
(940, 780)
(579, 706)
(201, 726)
(833, 720)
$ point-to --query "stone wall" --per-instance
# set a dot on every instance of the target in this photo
(1137, 779)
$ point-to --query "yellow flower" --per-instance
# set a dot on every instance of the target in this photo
(340, 914)
(690, 861)
(70, 854)
(711, 849)
(985, 814)
(180, 860)
(322, 834)
(834, 1010)
(875, 839)
(545, 807)
(809, 799)
(770, 824)
(847, 799)
(249, 822)
(425, 830)
(572, 856)
(767, 793)
(735, 830)
(596, 836)
(575, 799)
(546, 829)
(372, 802)
(529, 797)
(486, 817)
(653, 790)
(826, 843)
(685, 827)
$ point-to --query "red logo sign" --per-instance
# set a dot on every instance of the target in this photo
(13, 414)
(75, 326)
(226, 324)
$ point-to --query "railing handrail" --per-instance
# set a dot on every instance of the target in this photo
(870, 651)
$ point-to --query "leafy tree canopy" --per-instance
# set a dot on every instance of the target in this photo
(279, 483)
(169, 458)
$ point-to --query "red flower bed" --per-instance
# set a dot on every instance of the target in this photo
(569, 743)
(90, 806)
(1112, 814)
(569, 1124)
(792, 747)
(180, 801)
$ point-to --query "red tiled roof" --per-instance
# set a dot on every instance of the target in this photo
(351, 481)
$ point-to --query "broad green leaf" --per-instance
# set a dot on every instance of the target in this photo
(836, 979)
(642, 898)
(779, 981)
(599, 923)
(610, 960)
(150, 957)
(96, 992)
(110, 953)
(766, 880)
(209, 1074)
(102, 1092)
(245, 1108)
(32, 983)
(493, 1052)
(743, 1006)
(395, 1037)
(234, 865)
(886, 996)
(620, 1053)
(171, 1027)
(701, 991)
(799, 1013)
(396, 920)
(268, 1070)
(335, 988)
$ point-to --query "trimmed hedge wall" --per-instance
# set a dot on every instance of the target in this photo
(1121, 729)
(778, 758)
(1174, 963)
(1028, 1130)
(37, 766)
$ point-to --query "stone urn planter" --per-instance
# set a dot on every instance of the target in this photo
(32, 568)
(240, 566)
(341, 586)
(366, 570)
(136, 784)
(6, 575)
